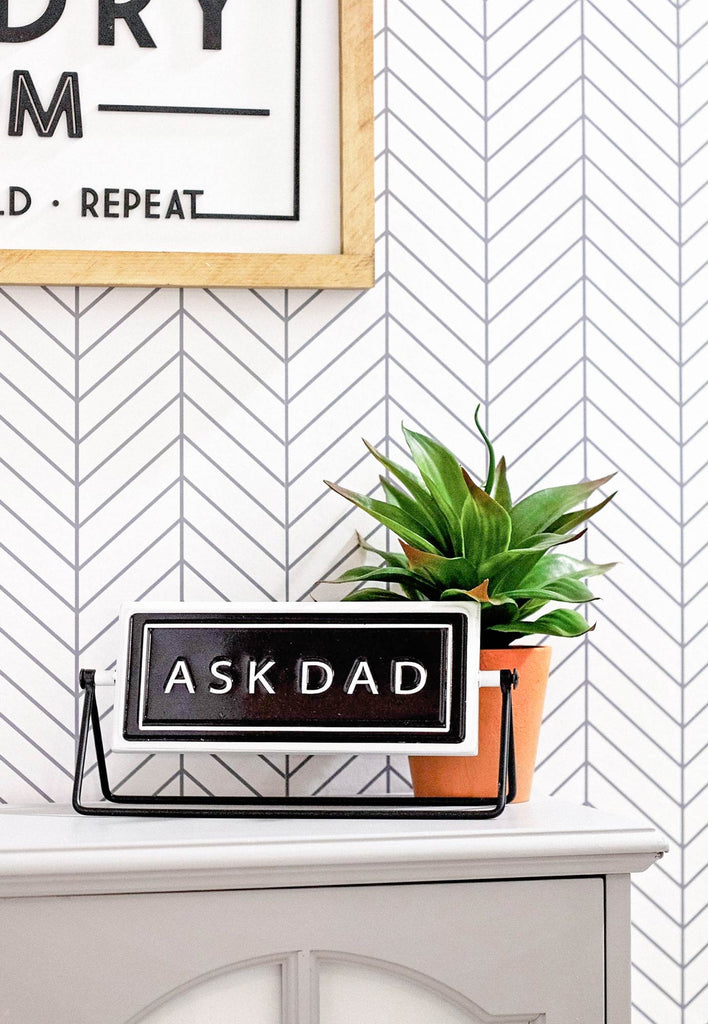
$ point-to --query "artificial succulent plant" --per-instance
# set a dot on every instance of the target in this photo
(462, 541)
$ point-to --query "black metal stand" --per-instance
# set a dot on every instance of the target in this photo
(289, 807)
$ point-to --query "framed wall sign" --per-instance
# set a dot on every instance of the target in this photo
(314, 678)
(187, 142)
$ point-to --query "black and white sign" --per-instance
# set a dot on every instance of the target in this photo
(397, 677)
(170, 125)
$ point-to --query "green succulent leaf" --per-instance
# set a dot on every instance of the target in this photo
(417, 512)
(375, 594)
(442, 475)
(500, 490)
(416, 488)
(554, 566)
(446, 573)
(384, 574)
(394, 518)
(480, 594)
(508, 569)
(535, 513)
(565, 588)
(391, 558)
(490, 449)
(560, 622)
(486, 527)
(549, 540)
(572, 519)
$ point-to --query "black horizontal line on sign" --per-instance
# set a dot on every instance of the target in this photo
(136, 108)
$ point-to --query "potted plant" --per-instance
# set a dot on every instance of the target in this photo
(462, 541)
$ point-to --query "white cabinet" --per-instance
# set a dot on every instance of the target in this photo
(339, 922)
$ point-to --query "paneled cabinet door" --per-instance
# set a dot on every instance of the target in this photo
(449, 953)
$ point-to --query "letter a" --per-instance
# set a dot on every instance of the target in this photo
(360, 675)
(180, 675)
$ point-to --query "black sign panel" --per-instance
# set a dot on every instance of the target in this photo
(297, 675)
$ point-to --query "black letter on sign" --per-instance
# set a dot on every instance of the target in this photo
(129, 11)
(26, 101)
(14, 189)
(23, 33)
(212, 10)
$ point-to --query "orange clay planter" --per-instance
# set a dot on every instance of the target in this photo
(479, 776)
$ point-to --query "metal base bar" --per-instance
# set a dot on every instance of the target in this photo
(115, 804)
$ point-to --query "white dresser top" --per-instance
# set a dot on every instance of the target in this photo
(53, 851)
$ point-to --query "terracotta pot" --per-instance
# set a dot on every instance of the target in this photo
(478, 776)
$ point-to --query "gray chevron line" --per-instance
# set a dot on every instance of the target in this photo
(632, 81)
(637, 366)
(95, 302)
(536, 238)
(446, 42)
(237, 401)
(128, 398)
(126, 358)
(546, 188)
(509, 19)
(125, 526)
(323, 494)
(52, 295)
(330, 405)
(36, 534)
(235, 524)
(635, 124)
(618, 267)
(246, 326)
(40, 665)
(16, 558)
(633, 722)
(36, 449)
(533, 38)
(647, 534)
(693, 74)
(333, 776)
(625, 394)
(660, 30)
(129, 565)
(635, 46)
(630, 159)
(443, 202)
(133, 772)
(40, 621)
(535, 77)
(272, 765)
(697, 994)
(322, 368)
(303, 305)
(535, 157)
(126, 483)
(239, 569)
(440, 159)
(566, 700)
(326, 533)
(687, 764)
(532, 323)
(234, 481)
(644, 694)
(638, 207)
(449, 87)
(37, 408)
(561, 458)
(435, 111)
(703, 948)
(696, 393)
(564, 743)
(691, 800)
(632, 240)
(36, 322)
(118, 323)
(688, 320)
(417, 299)
(428, 229)
(244, 782)
(40, 707)
(441, 280)
(696, 32)
(535, 280)
(21, 775)
(615, 786)
(656, 984)
(696, 635)
(438, 359)
(97, 636)
(128, 440)
(500, 393)
(634, 322)
(655, 944)
(38, 366)
(428, 391)
(519, 131)
(635, 1006)
(569, 778)
(232, 355)
(637, 888)
(692, 437)
(262, 299)
(446, 3)
(28, 739)
(697, 594)
(232, 438)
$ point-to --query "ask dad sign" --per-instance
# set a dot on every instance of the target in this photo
(388, 676)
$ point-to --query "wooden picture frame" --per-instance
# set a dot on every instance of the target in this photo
(352, 267)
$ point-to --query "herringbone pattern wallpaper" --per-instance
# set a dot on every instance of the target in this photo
(542, 248)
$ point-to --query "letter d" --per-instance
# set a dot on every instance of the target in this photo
(24, 33)
(14, 190)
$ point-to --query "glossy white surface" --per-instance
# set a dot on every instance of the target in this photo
(46, 851)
